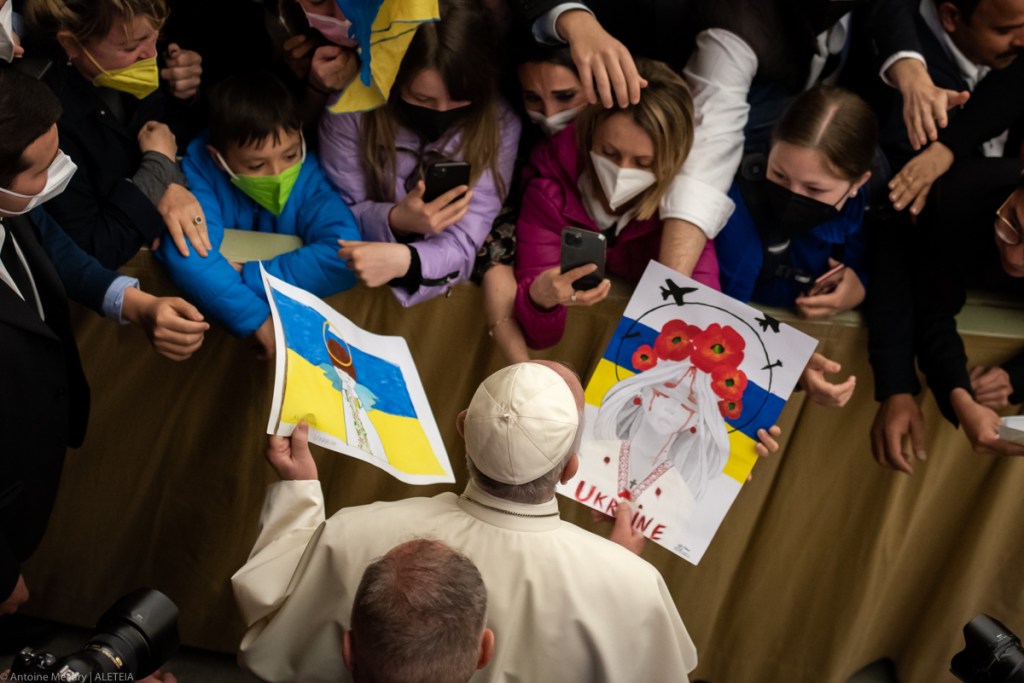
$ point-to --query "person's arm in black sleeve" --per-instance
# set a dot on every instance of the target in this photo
(890, 25)
(995, 105)
(893, 27)
(111, 227)
(10, 569)
(1015, 369)
(890, 304)
(529, 11)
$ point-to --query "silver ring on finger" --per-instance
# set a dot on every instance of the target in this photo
(197, 220)
(573, 297)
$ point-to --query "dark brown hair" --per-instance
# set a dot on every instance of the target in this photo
(461, 47)
(249, 108)
(836, 123)
(27, 110)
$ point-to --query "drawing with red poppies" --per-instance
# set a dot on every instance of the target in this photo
(675, 405)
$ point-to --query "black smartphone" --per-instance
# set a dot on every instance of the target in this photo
(442, 176)
(287, 20)
(580, 247)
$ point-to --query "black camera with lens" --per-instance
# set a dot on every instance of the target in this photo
(992, 654)
(132, 639)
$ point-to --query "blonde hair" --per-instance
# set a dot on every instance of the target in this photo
(91, 19)
(665, 113)
(461, 48)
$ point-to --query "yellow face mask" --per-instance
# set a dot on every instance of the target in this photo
(140, 79)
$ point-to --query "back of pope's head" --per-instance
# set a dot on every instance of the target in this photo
(522, 430)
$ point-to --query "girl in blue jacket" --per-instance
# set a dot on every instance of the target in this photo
(252, 172)
(795, 238)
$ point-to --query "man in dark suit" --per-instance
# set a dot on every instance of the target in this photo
(921, 270)
(44, 397)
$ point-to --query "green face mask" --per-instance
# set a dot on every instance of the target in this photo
(269, 191)
(140, 79)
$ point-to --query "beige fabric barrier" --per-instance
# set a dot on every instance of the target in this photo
(825, 563)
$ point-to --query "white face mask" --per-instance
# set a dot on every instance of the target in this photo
(555, 123)
(7, 31)
(620, 184)
(57, 178)
(334, 30)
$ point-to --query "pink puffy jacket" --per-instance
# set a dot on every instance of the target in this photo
(551, 201)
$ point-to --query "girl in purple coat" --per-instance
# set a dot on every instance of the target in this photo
(444, 106)
(606, 172)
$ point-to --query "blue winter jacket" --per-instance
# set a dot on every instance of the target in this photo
(740, 254)
(314, 212)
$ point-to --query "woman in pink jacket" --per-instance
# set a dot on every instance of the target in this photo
(605, 173)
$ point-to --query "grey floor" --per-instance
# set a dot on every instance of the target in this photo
(190, 665)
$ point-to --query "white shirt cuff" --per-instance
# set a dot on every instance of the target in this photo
(544, 29)
(697, 202)
(905, 54)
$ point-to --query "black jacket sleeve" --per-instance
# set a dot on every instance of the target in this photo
(995, 105)
(1015, 369)
(890, 27)
(889, 308)
(529, 11)
(110, 226)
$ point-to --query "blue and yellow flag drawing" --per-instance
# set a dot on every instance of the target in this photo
(359, 392)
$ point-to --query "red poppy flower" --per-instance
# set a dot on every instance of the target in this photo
(730, 408)
(716, 346)
(644, 358)
(728, 382)
(676, 340)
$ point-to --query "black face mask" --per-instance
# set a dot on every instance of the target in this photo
(781, 214)
(429, 124)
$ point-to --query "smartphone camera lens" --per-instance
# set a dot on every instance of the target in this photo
(572, 239)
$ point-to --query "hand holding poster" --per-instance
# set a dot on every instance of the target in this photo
(674, 407)
(370, 406)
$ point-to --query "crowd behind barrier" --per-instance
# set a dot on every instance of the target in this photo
(825, 563)
(739, 162)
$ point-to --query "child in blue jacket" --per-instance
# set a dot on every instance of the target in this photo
(796, 237)
(251, 171)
